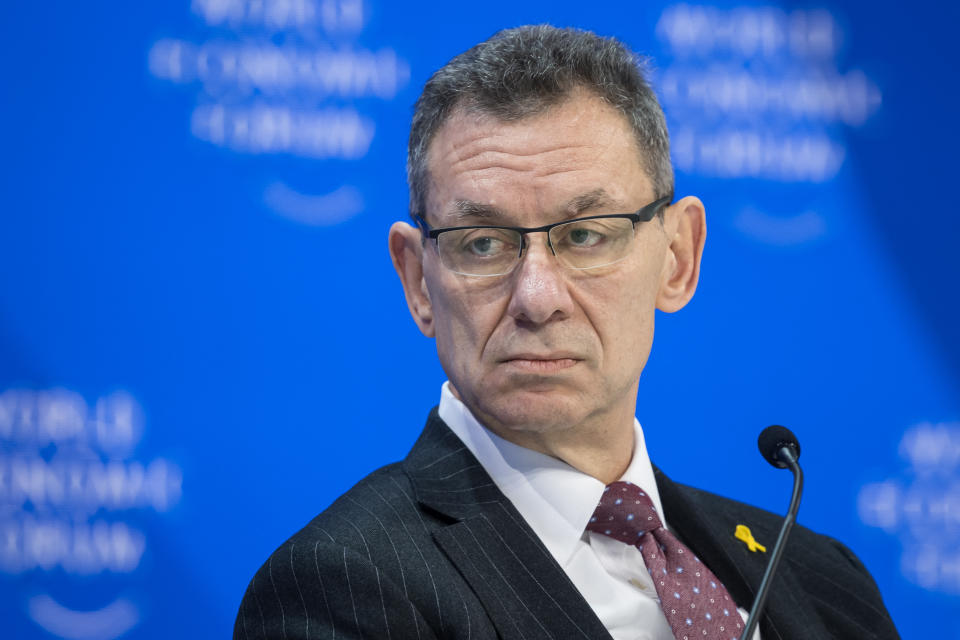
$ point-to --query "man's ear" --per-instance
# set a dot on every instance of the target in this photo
(685, 223)
(406, 251)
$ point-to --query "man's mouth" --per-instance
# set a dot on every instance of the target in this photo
(537, 363)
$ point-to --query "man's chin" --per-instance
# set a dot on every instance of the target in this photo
(527, 410)
(521, 402)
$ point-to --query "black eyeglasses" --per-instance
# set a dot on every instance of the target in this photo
(582, 243)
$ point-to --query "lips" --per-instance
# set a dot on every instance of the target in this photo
(543, 355)
(556, 355)
(542, 363)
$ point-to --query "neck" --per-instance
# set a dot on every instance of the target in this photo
(604, 456)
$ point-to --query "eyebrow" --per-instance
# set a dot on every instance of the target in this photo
(590, 200)
(466, 209)
(470, 209)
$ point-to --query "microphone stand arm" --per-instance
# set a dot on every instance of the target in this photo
(787, 456)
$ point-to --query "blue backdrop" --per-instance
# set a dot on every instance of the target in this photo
(202, 341)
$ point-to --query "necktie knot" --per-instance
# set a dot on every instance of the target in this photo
(625, 513)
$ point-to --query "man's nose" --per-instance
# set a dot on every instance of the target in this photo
(540, 290)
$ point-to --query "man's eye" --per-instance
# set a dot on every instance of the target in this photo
(582, 238)
(484, 246)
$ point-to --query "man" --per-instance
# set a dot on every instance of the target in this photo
(546, 236)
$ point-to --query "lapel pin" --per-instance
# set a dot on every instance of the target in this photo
(743, 533)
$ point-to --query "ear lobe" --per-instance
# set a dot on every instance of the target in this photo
(686, 226)
(406, 252)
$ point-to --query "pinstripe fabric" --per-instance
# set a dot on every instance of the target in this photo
(430, 548)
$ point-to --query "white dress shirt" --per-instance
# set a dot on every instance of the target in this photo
(557, 500)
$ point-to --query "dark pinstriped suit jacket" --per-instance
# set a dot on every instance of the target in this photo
(430, 548)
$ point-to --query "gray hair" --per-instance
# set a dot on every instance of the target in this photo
(524, 71)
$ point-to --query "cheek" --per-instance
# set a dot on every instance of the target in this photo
(634, 333)
(466, 315)
(626, 320)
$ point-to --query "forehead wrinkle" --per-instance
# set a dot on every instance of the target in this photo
(468, 159)
(495, 143)
(472, 150)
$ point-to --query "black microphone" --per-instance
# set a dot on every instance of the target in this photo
(780, 448)
(772, 440)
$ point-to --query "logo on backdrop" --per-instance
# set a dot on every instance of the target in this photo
(72, 495)
(756, 92)
(921, 506)
(286, 77)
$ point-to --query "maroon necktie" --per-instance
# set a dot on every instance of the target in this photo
(695, 602)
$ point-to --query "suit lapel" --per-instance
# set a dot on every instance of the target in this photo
(707, 526)
(523, 589)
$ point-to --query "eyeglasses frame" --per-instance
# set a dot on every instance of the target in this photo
(644, 214)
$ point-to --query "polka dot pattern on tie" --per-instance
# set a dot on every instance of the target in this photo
(694, 601)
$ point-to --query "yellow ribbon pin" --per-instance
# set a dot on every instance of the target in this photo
(743, 533)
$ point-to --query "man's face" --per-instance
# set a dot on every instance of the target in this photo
(545, 348)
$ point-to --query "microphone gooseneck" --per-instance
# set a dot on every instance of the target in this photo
(781, 449)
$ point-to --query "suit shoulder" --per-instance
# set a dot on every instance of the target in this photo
(375, 519)
(342, 575)
(381, 501)
(372, 545)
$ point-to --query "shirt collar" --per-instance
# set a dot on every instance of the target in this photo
(555, 499)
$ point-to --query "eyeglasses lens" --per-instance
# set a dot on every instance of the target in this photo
(580, 244)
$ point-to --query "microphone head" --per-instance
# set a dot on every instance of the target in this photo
(772, 439)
